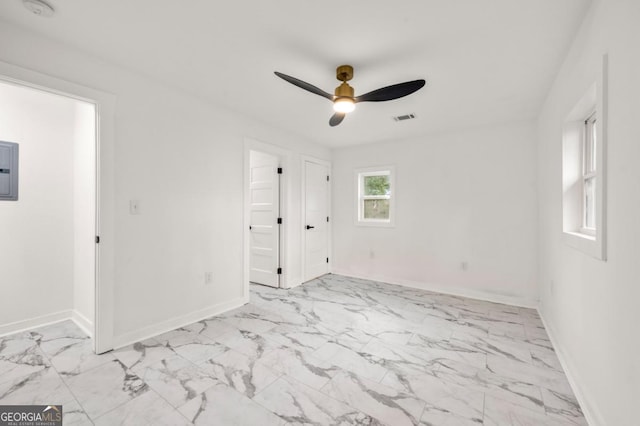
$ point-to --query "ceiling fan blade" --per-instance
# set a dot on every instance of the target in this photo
(336, 119)
(304, 85)
(391, 92)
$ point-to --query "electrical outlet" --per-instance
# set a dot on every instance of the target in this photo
(208, 278)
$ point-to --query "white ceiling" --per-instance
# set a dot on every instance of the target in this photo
(485, 61)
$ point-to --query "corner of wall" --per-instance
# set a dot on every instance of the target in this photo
(83, 322)
(585, 399)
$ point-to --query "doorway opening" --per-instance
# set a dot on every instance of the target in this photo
(267, 216)
(48, 246)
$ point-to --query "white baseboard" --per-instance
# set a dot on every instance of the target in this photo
(69, 314)
(294, 285)
(83, 322)
(292, 282)
(589, 409)
(177, 322)
(28, 324)
(453, 291)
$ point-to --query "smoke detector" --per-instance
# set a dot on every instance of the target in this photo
(38, 7)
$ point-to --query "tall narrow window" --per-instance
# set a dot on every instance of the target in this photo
(375, 196)
(589, 173)
(584, 193)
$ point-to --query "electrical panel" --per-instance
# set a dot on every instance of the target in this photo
(8, 171)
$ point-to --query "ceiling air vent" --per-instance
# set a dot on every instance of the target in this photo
(404, 117)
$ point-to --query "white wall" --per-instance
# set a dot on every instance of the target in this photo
(182, 158)
(37, 231)
(591, 306)
(468, 197)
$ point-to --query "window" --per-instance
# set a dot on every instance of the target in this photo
(375, 196)
(589, 175)
(584, 140)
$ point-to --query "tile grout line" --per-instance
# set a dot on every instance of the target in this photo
(62, 379)
(124, 403)
(484, 406)
(327, 395)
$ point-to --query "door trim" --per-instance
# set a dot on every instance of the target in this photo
(105, 104)
(303, 199)
(284, 156)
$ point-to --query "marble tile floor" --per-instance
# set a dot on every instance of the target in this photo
(334, 351)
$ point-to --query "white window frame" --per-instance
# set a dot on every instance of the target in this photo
(589, 170)
(590, 241)
(360, 174)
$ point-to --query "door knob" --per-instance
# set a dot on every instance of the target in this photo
(310, 227)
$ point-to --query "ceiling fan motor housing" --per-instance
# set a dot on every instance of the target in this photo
(344, 91)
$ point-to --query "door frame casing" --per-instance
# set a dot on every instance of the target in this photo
(303, 210)
(284, 157)
(105, 104)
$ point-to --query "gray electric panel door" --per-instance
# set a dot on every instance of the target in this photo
(8, 171)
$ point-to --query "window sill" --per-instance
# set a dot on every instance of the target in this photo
(376, 224)
(580, 234)
(591, 232)
(587, 244)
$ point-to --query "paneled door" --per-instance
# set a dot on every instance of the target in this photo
(316, 215)
(264, 187)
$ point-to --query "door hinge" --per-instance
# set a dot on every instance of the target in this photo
(97, 239)
(327, 260)
(327, 178)
(279, 170)
(327, 218)
(279, 221)
(279, 271)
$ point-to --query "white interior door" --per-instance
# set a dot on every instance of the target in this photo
(316, 226)
(264, 188)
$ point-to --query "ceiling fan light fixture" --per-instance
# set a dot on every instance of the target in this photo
(344, 100)
(344, 105)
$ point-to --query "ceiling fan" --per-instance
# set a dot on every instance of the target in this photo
(344, 100)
